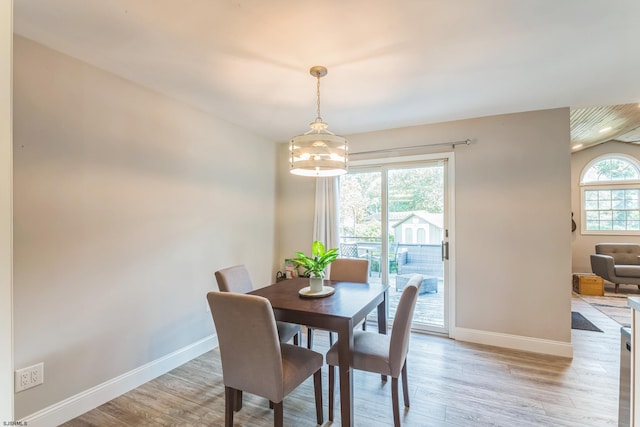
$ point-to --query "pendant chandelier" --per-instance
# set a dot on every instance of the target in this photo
(318, 152)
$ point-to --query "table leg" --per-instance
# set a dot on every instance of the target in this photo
(382, 314)
(345, 344)
(382, 320)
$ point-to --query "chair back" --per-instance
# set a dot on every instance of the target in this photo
(622, 253)
(234, 279)
(400, 332)
(248, 342)
(349, 250)
(350, 270)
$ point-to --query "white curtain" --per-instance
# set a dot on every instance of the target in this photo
(325, 223)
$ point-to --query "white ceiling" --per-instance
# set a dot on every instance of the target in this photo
(392, 63)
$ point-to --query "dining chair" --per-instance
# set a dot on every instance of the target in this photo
(346, 270)
(236, 279)
(383, 354)
(350, 270)
(253, 359)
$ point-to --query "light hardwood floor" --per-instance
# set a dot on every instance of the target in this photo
(451, 384)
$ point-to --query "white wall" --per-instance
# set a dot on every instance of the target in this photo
(126, 202)
(6, 298)
(584, 245)
(513, 242)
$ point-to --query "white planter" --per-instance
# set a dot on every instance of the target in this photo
(316, 284)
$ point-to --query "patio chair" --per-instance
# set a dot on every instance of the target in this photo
(349, 250)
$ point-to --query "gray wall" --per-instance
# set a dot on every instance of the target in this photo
(584, 245)
(123, 210)
(513, 243)
(126, 202)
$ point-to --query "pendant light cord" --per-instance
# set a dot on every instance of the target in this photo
(318, 119)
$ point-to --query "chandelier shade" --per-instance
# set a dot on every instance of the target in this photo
(318, 152)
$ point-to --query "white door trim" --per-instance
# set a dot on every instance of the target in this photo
(450, 303)
(6, 215)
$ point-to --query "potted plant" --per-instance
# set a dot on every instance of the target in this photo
(315, 264)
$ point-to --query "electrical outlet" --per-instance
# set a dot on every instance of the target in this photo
(31, 376)
(37, 374)
(25, 379)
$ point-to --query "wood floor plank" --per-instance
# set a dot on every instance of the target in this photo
(96, 417)
(451, 384)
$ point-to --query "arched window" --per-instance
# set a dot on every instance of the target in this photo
(611, 195)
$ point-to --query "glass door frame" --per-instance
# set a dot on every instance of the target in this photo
(385, 164)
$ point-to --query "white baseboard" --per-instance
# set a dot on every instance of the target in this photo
(515, 342)
(74, 406)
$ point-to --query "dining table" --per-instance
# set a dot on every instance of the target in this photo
(339, 312)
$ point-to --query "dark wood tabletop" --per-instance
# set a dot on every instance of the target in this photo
(339, 312)
(350, 301)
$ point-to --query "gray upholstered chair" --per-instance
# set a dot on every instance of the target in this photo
(350, 270)
(383, 354)
(253, 359)
(236, 279)
(346, 270)
(619, 263)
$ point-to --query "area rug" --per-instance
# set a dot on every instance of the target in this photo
(578, 321)
(614, 305)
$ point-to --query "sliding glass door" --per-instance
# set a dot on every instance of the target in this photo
(395, 216)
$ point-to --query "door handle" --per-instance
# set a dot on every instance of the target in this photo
(445, 250)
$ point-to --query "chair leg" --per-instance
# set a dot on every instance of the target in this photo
(317, 388)
(332, 384)
(309, 338)
(229, 404)
(405, 384)
(278, 418)
(296, 339)
(396, 404)
(238, 400)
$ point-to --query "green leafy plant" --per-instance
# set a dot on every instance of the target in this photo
(320, 258)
